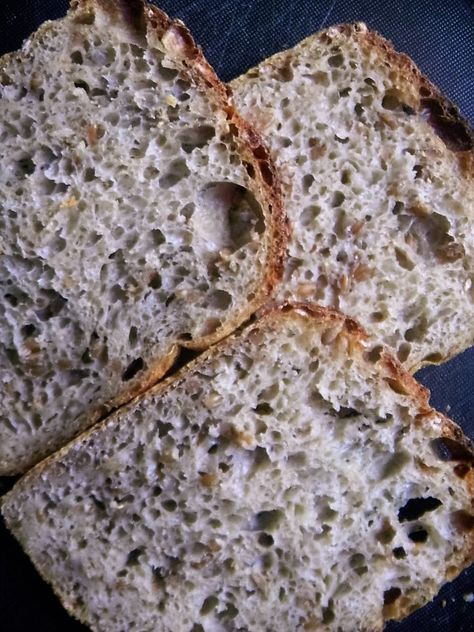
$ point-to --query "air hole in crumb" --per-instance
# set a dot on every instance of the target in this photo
(417, 507)
(285, 73)
(50, 304)
(230, 612)
(298, 459)
(309, 214)
(399, 553)
(447, 449)
(167, 73)
(89, 174)
(241, 214)
(267, 173)
(374, 354)
(28, 330)
(82, 85)
(338, 198)
(195, 137)
(155, 281)
(263, 408)
(76, 57)
(434, 357)
(418, 535)
(391, 595)
(395, 464)
(177, 170)
(398, 208)
(329, 335)
(133, 336)
(219, 299)
(261, 458)
(403, 351)
(386, 533)
(390, 100)
(307, 181)
(328, 613)
(462, 521)
(336, 61)
(26, 166)
(209, 604)
(169, 505)
(267, 520)
(133, 557)
(133, 368)
(98, 503)
(157, 237)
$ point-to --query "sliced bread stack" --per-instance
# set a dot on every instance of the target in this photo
(138, 213)
(294, 476)
(378, 175)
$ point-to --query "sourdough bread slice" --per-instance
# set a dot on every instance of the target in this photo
(137, 212)
(378, 173)
(292, 478)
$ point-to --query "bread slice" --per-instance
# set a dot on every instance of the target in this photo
(378, 173)
(292, 478)
(138, 213)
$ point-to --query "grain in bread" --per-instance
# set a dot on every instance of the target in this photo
(378, 173)
(137, 212)
(293, 478)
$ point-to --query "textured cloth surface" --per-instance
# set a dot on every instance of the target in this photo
(235, 35)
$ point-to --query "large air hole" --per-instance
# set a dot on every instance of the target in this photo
(25, 166)
(417, 507)
(195, 137)
(447, 449)
(462, 521)
(431, 231)
(177, 170)
(336, 61)
(209, 604)
(133, 557)
(133, 368)
(390, 100)
(220, 300)
(391, 595)
(267, 520)
(50, 304)
(419, 535)
(227, 216)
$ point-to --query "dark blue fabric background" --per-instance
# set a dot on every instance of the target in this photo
(236, 34)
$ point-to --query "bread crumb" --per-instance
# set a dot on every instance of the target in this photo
(469, 597)
(171, 100)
